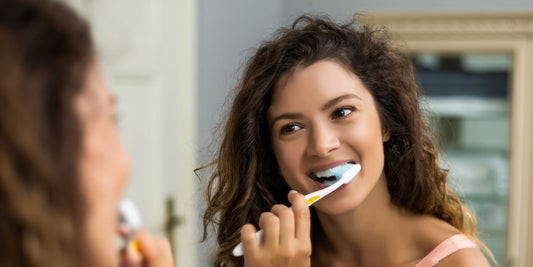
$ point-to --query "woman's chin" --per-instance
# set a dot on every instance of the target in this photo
(334, 207)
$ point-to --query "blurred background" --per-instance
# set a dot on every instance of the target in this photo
(173, 65)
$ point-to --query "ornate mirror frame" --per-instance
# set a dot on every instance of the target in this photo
(509, 33)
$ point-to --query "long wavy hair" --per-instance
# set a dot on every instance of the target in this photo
(246, 181)
(45, 50)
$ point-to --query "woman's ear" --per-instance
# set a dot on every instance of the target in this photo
(385, 135)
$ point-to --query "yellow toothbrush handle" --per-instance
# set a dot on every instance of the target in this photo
(311, 200)
(134, 245)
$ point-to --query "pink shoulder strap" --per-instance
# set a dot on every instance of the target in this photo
(444, 249)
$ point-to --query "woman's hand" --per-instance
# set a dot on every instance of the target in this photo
(153, 252)
(286, 236)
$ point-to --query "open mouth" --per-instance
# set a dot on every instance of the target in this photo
(332, 175)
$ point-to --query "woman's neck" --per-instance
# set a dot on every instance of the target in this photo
(373, 234)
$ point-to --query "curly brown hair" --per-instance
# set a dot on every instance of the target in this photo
(246, 180)
(45, 50)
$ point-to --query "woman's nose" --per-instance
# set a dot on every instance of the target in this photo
(322, 141)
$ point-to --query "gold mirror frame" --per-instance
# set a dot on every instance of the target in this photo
(510, 33)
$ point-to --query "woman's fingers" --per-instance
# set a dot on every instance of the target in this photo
(286, 236)
(302, 220)
(269, 222)
(156, 252)
(150, 252)
(130, 258)
(286, 219)
(249, 240)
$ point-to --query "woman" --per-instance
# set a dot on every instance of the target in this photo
(316, 96)
(62, 163)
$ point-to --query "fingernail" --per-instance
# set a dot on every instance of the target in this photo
(293, 192)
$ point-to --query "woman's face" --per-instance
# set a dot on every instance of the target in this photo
(322, 116)
(104, 166)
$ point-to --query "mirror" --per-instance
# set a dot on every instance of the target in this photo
(475, 69)
(466, 98)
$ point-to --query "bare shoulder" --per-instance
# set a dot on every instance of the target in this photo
(437, 231)
(465, 257)
(429, 232)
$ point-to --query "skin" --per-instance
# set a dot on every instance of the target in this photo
(104, 169)
(286, 236)
(322, 116)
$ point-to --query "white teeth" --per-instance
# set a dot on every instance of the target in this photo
(330, 172)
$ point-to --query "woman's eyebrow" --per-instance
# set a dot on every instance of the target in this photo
(336, 100)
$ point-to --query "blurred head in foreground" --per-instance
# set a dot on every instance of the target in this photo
(62, 164)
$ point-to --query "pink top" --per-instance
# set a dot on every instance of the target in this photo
(446, 248)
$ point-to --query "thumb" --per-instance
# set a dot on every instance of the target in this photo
(156, 252)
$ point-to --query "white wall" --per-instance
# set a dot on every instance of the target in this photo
(228, 30)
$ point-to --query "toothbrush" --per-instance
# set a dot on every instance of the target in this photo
(312, 198)
(129, 221)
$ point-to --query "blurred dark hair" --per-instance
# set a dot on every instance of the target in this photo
(45, 51)
(246, 179)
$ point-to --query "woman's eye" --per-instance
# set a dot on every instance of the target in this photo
(290, 128)
(342, 112)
